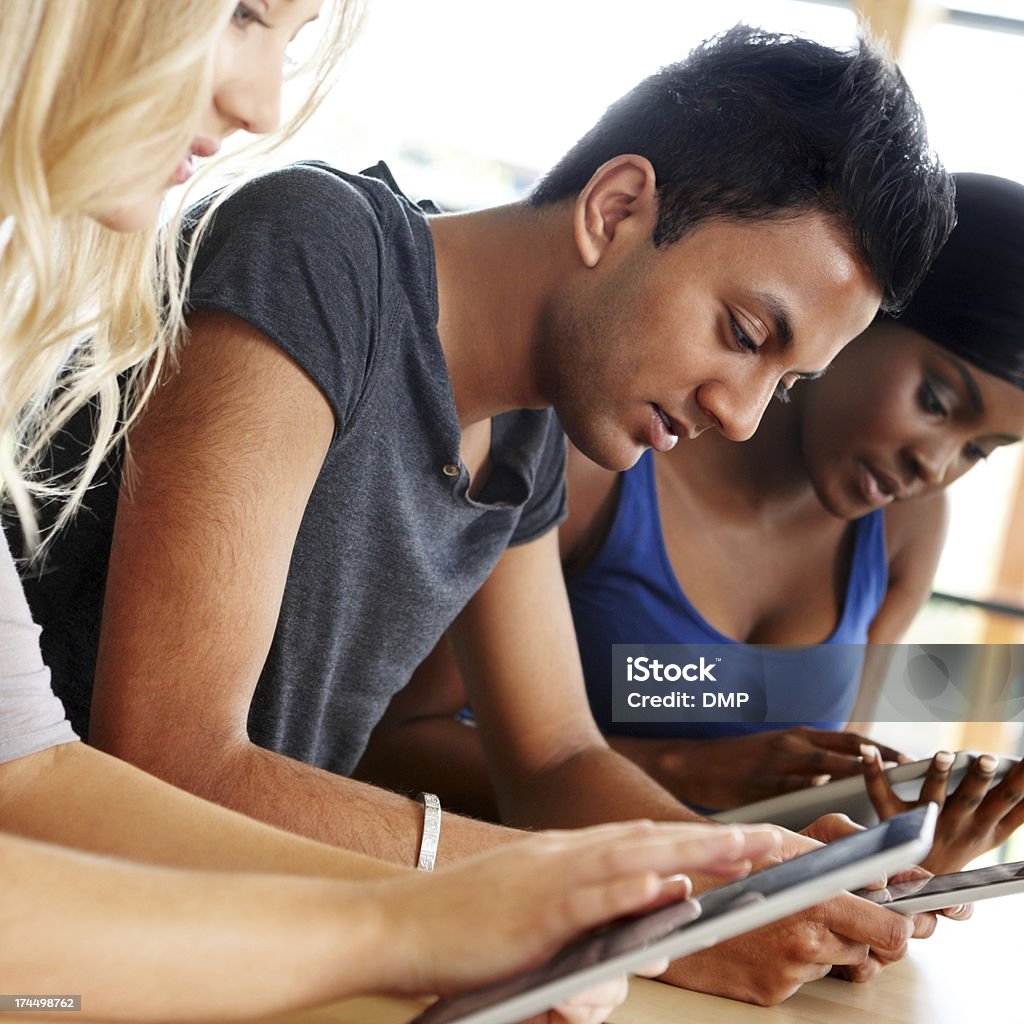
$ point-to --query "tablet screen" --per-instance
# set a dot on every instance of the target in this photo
(780, 877)
(994, 877)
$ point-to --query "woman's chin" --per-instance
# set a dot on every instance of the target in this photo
(137, 215)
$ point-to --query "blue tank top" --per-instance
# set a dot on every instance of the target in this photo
(629, 594)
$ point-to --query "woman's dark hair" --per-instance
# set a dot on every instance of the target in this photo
(971, 302)
(754, 124)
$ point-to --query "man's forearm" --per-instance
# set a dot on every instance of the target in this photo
(594, 785)
(320, 804)
(447, 756)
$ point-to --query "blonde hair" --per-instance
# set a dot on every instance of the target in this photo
(341, 22)
(98, 100)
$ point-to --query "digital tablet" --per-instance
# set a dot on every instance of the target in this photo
(684, 928)
(951, 890)
(798, 809)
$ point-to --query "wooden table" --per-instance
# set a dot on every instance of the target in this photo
(968, 972)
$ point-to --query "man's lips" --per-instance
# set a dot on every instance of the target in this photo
(680, 428)
(664, 432)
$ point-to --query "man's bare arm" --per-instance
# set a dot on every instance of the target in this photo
(517, 652)
(549, 763)
(200, 557)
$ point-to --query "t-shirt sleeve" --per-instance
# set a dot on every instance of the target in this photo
(31, 717)
(297, 254)
(547, 506)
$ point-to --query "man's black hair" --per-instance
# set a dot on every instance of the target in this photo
(755, 124)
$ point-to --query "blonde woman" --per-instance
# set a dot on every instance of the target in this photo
(150, 903)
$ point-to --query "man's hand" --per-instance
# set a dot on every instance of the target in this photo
(768, 965)
(834, 826)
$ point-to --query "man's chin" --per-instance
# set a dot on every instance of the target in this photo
(616, 457)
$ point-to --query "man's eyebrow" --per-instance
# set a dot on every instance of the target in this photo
(970, 384)
(783, 321)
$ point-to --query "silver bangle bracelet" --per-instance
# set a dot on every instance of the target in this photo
(431, 831)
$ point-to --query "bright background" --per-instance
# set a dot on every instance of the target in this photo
(469, 101)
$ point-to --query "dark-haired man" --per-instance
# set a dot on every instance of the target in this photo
(360, 451)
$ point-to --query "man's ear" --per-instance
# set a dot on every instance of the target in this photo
(619, 200)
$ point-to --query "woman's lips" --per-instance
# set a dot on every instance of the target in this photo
(185, 169)
(876, 488)
(201, 147)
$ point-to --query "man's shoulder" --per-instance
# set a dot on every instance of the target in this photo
(313, 182)
(310, 200)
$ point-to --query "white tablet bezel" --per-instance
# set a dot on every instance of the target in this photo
(745, 916)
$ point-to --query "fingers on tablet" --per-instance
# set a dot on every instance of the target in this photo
(936, 780)
(886, 802)
(1003, 808)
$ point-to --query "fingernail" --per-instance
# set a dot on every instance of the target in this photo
(943, 760)
(987, 763)
(877, 886)
(868, 753)
(888, 764)
(676, 885)
(820, 780)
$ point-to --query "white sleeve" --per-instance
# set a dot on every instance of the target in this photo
(31, 717)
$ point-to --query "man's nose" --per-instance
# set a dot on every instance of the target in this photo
(739, 406)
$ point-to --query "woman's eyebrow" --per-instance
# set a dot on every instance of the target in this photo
(970, 384)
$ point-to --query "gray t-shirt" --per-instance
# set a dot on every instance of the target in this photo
(31, 717)
(338, 271)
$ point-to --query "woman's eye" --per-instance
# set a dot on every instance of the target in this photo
(972, 453)
(930, 401)
(743, 341)
(244, 15)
